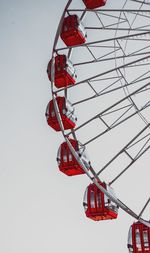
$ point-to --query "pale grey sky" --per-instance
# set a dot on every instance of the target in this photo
(40, 208)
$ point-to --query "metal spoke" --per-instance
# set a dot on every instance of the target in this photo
(110, 107)
(122, 151)
(110, 10)
(107, 72)
(114, 125)
(105, 40)
(127, 167)
(142, 211)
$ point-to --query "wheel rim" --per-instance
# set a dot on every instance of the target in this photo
(126, 103)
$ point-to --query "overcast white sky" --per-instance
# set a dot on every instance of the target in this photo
(40, 209)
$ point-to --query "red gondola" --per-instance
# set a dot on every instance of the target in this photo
(66, 112)
(97, 205)
(92, 4)
(64, 72)
(67, 162)
(73, 32)
(139, 238)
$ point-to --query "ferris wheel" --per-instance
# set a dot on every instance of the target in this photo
(99, 73)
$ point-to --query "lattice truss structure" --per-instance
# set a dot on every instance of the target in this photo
(111, 97)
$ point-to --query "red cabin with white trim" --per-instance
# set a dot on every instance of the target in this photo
(139, 238)
(97, 205)
(64, 72)
(73, 32)
(92, 4)
(66, 110)
(67, 162)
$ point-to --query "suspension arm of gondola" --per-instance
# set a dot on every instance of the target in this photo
(124, 148)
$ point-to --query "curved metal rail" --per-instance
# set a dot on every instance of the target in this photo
(93, 176)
